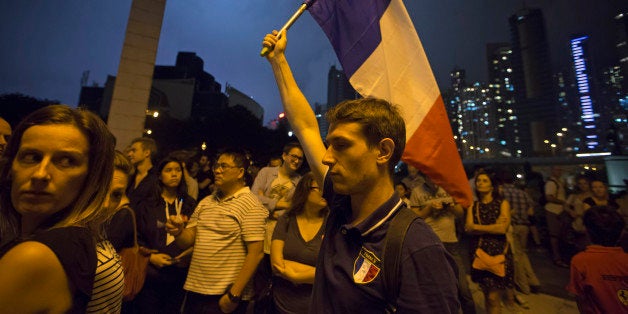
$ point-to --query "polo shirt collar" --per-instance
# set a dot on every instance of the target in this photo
(239, 192)
(378, 217)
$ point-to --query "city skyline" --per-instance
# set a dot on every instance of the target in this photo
(47, 46)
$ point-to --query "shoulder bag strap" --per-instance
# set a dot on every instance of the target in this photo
(477, 215)
(132, 212)
(391, 255)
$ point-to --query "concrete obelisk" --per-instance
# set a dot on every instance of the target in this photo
(131, 91)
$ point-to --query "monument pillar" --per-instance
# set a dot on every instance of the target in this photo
(131, 91)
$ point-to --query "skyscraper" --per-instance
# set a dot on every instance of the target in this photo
(535, 103)
(585, 99)
(499, 61)
(338, 87)
(621, 43)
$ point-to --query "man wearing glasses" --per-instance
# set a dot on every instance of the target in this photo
(227, 231)
(274, 187)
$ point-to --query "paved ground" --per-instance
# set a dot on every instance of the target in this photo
(539, 303)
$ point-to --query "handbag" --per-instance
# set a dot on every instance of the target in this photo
(264, 302)
(134, 263)
(495, 264)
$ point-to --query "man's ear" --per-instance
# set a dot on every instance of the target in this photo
(386, 148)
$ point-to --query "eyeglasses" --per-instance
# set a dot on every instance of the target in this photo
(295, 157)
(223, 166)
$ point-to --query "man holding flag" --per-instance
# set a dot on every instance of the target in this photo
(365, 141)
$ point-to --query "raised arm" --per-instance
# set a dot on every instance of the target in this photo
(298, 110)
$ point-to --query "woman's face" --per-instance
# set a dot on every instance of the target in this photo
(598, 189)
(316, 196)
(116, 190)
(49, 169)
(483, 183)
(171, 174)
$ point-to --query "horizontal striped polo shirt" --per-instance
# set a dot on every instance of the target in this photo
(223, 226)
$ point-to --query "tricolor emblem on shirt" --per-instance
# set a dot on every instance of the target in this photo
(366, 267)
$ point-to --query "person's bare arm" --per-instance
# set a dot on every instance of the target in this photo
(254, 255)
(294, 271)
(276, 255)
(32, 280)
(184, 237)
(298, 110)
(298, 273)
(500, 226)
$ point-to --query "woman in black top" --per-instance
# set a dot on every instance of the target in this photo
(163, 288)
(487, 221)
(54, 179)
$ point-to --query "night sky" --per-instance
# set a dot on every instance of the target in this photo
(47, 44)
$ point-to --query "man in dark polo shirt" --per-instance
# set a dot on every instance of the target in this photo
(365, 140)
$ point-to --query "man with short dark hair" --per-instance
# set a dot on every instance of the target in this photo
(598, 275)
(227, 232)
(365, 141)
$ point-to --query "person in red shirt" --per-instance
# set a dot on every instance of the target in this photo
(599, 275)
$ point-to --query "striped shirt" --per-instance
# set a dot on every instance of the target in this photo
(108, 281)
(223, 226)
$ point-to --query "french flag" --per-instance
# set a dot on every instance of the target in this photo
(381, 54)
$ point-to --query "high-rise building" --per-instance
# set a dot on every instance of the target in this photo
(569, 138)
(535, 101)
(621, 43)
(499, 61)
(589, 116)
(338, 90)
(474, 118)
(338, 87)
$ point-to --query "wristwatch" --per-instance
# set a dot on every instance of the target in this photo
(233, 298)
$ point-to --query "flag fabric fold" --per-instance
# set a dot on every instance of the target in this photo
(381, 54)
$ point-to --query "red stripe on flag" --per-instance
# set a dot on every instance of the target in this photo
(432, 149)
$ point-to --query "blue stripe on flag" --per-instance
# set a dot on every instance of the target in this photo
(352, 27)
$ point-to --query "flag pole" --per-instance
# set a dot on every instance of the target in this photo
(291, 21)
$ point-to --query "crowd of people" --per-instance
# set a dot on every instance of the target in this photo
(222, 237)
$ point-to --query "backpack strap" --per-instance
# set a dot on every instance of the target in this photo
(391, 255)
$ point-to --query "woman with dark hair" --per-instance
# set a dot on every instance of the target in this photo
(487, 221)
(54, 179)
(163, 288)
(294, 249)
